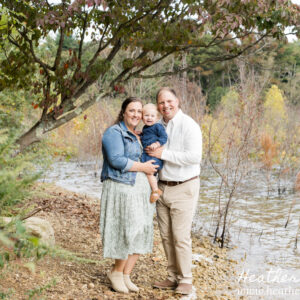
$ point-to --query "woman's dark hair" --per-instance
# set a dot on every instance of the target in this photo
(168, 89)
(125, 103)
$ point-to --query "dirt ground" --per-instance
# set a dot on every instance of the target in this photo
(75, 219)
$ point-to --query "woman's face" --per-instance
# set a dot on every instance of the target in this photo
(133, 114)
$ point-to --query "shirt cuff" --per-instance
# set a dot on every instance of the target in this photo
(128, 165)
(164, 154)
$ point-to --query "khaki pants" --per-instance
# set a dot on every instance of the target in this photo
(175, 210)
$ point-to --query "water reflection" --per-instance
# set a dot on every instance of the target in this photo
(77, 177)
(257, 229)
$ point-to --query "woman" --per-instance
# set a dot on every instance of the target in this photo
(126, 218)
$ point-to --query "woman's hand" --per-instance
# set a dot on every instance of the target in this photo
(138, 132)
(149, 168)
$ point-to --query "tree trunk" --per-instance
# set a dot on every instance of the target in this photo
(37, 132)
(33, 135)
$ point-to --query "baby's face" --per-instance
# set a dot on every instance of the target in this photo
(150, 116)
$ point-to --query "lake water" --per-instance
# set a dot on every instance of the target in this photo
(269, 263)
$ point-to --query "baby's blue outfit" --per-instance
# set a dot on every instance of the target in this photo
(150, 135)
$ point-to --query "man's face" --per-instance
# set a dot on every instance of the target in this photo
(167, 104)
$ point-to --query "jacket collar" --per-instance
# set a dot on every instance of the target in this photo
(124, 128)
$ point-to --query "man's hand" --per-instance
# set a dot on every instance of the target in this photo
(156, 152)
(154, 146)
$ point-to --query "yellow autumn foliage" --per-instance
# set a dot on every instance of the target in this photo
(216, 143)
(275, 114)
(275, 109)
(230, 102)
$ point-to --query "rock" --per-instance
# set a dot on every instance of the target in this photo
(91, 285)
(38, 227)
(155, 258)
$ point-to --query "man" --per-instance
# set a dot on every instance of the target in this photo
(180, 183)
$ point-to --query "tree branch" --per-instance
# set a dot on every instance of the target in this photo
(125, 71)
(134, 74)
(86, 83)
(34, 212)
(59, 49)
(75, 112)
(215, 59)
(102, 37)
(46, 106)
(48, 4)
(45, 66)
(121, 26)
(82, 35)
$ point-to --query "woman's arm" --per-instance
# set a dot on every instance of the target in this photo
(113, 146)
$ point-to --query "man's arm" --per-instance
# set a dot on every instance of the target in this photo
(191, 154)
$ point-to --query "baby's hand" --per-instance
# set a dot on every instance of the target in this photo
(154, 146)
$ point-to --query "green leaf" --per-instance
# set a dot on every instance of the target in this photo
(34, 240)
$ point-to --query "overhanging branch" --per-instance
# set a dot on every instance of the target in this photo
(215, 59)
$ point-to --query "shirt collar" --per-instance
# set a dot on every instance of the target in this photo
(176, 118)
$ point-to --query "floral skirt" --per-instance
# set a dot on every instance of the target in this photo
(126, 218)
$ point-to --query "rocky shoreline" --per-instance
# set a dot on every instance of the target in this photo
(75, 219)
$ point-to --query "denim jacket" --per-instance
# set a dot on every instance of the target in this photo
(120, 149)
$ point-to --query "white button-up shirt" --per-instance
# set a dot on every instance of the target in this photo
(183, 150)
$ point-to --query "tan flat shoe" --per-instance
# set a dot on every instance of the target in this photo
(129, 284)
(117, 282)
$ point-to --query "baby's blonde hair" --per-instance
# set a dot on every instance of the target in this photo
(150, 106)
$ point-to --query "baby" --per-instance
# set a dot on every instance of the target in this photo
(152, 136)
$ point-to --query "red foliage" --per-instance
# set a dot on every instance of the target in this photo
(269, 148)
(119, 88)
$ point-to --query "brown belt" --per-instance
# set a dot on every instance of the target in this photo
(173, 183)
